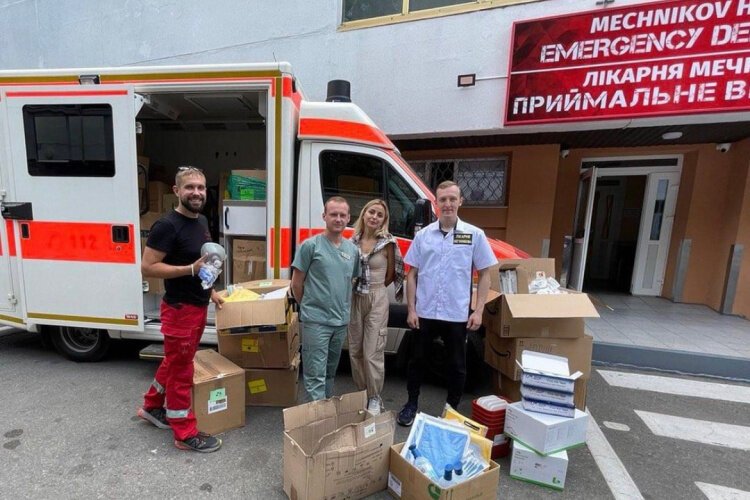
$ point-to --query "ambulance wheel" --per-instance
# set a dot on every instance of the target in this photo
(81, 344)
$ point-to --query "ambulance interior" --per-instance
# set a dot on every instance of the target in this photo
(224, 134)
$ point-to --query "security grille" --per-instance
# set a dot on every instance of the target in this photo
(482, 181)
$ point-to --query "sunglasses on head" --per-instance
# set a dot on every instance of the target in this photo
(189, 169)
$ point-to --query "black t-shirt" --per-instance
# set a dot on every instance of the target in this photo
(181, 238)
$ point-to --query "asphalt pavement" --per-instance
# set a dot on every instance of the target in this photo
(69, 431)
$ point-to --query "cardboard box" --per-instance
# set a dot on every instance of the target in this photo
(218, 393)
(150, 285)
(247, 268)
(547, 371)
(156, 192)
(545, 434)
(335, 449)
(548, 471)
(511, 389)
(405, 481)
(503, 353)
(254, 312)
(272, 387)
(528, 315)
(248, 247)
(262, 347)
(526, 270)
(169, 202)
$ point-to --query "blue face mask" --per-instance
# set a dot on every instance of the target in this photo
(441, 445)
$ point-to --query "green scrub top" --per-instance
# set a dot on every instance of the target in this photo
(328, 282)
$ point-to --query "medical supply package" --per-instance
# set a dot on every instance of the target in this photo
(527, 465)
(545, 434)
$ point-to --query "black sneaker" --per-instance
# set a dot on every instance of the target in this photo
(201, 442)
(155, 416)
(407, 414)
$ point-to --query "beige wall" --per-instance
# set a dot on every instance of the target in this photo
(713, 209)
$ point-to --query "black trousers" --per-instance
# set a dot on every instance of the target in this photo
(454, 339)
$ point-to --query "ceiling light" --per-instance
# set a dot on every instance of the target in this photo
(671, 136)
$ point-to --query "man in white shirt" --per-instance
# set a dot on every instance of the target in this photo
(443, 257)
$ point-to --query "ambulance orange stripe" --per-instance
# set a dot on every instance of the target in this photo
(286, 246)
(76, 241)
(341, 129)
(65, 93)
(11, 238)
(288, 92)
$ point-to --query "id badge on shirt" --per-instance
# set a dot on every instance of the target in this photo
(462, 238)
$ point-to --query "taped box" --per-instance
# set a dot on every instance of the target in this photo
(272, 346)
(335, 449)
(503, 354)
(270, 310)
(272, 386)
(407, 482)
(218, 393)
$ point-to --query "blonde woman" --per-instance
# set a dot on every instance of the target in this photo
(380, 265)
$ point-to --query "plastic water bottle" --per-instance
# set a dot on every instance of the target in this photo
(423, 465)
(214, 256)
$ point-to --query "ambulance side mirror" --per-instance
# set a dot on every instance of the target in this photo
(423, 215)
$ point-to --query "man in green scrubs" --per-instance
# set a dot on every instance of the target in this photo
(322, 275)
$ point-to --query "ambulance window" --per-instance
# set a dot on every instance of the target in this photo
(401, 201)
(72, 140)
(356, 177)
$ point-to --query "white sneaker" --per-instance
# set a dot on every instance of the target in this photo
(375, 405)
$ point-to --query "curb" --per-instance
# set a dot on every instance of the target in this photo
(684, 362)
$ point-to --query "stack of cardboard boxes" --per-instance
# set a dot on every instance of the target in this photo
(248, 259)
(262, 336)
(552, 324)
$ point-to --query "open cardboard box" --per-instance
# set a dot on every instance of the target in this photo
(254, 312)
(407, 482)
(335, 449)
(534, 315)
(547, 371)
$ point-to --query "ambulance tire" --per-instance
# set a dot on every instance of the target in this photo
(81, 344)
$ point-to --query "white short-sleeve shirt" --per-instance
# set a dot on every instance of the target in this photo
(445, 265)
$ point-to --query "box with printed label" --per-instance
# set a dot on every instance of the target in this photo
(407, 482)
(550, 471)
(270, 309)
(272, 346)
(511, 389)
(218, 393)
(335, 449)
(545, 434)
(503, 353)
(272, 386)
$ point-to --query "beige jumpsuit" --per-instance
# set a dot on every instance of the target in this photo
(368, 329)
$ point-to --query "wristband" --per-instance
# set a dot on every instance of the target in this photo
(192, 271)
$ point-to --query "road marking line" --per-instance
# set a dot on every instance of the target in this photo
(615, 426)
(716, 492)
(677, 386)
(617, 476)
(699, 431)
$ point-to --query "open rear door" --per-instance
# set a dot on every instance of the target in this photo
(73, 204)
(582, 229)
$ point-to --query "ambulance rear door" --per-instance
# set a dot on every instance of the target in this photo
(72, 204)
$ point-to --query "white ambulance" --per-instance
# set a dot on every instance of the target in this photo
(71, 199)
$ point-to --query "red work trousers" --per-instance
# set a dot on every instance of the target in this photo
(182, 326)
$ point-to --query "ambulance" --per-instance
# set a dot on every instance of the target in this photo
(74, 184)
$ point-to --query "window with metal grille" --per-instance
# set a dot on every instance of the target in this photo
(482, 180)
